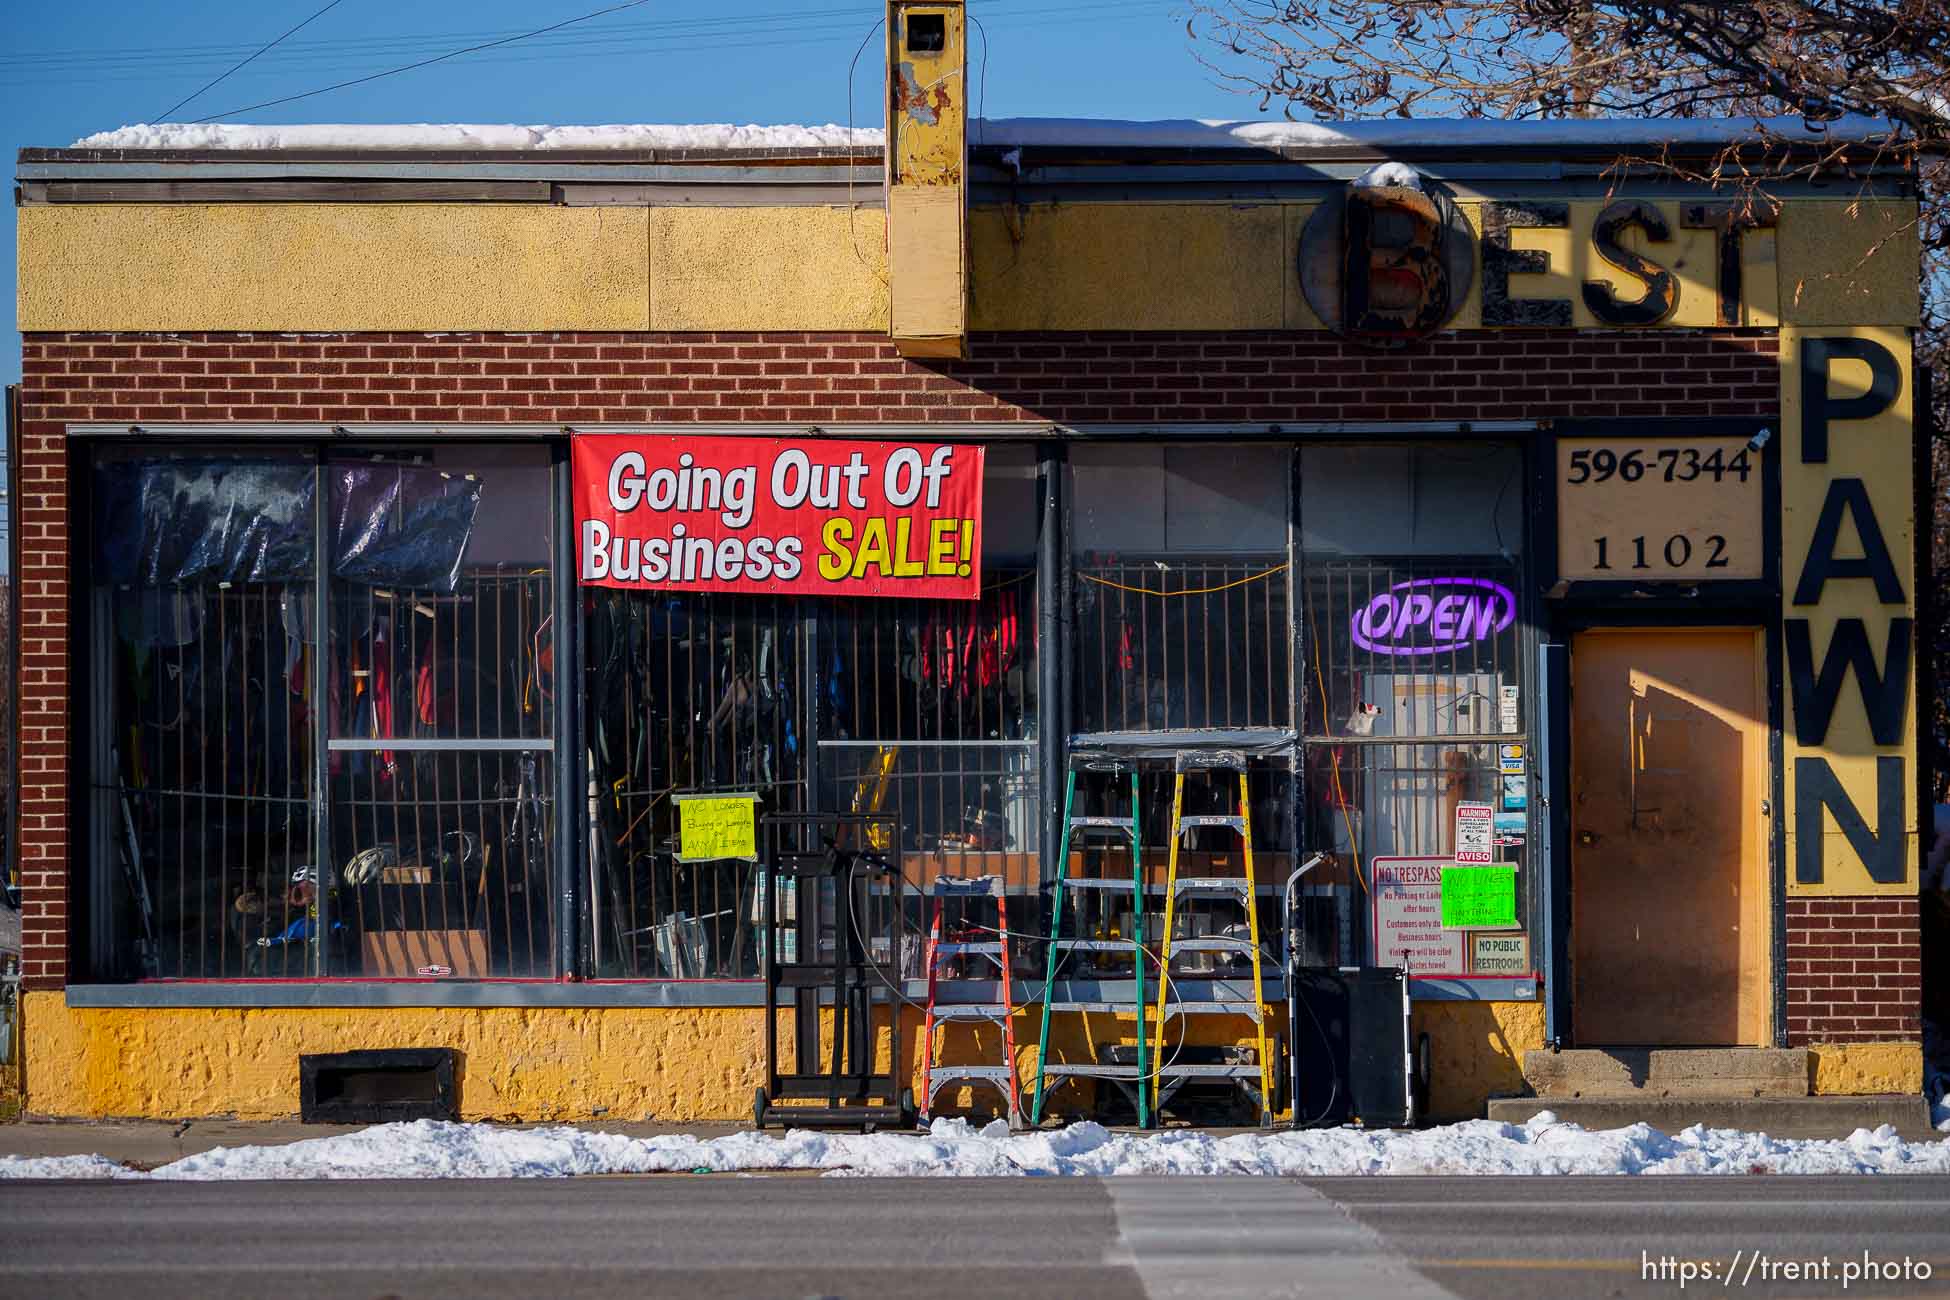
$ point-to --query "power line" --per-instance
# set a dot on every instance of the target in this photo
(441, 58)
(399, 43)
(164, 115)
(291, 52)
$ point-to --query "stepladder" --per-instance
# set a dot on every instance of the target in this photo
(1201, 929)
(1085, 939)
(967, 951)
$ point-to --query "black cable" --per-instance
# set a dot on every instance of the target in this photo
(440, 58)
(164, 115)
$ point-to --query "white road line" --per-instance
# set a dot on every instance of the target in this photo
(1215, 1238)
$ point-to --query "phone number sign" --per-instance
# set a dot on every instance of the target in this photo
(1658, 509)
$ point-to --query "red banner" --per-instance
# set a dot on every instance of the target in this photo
(794, 515)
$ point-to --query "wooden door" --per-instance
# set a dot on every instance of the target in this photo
(1669, 915)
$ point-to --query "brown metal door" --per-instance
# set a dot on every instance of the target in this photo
(1669, 922)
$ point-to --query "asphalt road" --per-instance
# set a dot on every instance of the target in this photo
(1006, 1239)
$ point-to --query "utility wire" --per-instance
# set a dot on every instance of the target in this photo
(722, 32)
(440, 58)
(164, 115)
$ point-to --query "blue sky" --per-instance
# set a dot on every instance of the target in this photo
(86, 65)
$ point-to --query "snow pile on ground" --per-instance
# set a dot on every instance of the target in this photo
(1071, 132)
(1936, 1074)
(709, 135)
(954, 1148)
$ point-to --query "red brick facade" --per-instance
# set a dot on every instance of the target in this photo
(858, 378)
(1853, 969)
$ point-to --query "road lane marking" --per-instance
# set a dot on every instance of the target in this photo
(1218, 1238)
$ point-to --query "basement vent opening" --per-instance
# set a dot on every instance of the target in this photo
(927, 33)
(377, 1087)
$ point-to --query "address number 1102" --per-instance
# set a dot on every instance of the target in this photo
(1677, 551)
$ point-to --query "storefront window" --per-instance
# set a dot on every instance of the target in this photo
(381, 801)
(1181, 588)
(925, 709)
(1415, 693)
(685, 695)
(928, 709)
(438, 686)
(202, 808)
(442, 682)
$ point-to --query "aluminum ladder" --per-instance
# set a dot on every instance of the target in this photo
(1133, 1080)
(937, 1075)
(1256, 1077)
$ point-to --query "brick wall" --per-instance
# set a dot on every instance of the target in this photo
(1854, 969)
(829, 378)
(810, 378)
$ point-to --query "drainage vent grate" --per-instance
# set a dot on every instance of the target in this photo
(377, 1087)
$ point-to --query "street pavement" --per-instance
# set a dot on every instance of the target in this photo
(1006, 1239)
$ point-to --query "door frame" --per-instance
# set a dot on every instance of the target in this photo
(1568, 608)
(1752, 636)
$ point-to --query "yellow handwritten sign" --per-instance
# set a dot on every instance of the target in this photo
(714, 826)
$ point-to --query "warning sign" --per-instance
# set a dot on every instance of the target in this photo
(715, 826)
(1475, 825)
(1500, 954)
(1406, 926)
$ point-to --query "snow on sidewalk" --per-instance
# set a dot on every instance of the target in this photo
(954, 1148)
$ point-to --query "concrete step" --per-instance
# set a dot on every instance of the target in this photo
(1781, 1117)
(1690, 1072)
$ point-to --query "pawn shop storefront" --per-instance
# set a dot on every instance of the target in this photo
(374, 642)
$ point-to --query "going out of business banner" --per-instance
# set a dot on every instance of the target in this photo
(794, 516)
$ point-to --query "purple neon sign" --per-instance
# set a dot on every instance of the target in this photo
(1430, 616)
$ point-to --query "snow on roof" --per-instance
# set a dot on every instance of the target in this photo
(435, 136)
(1016, 132)
(1421, 132)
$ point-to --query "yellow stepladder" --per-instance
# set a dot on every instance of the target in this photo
(1170, 1075)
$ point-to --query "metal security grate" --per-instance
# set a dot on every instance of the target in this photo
(1165, 644)
(209, 802)
(1420, 648)
(442, 777)
(928, 712)
(686, 694)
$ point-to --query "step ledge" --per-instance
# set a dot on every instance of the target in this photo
(1667, 1073)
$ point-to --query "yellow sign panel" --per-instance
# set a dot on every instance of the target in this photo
(1658, 509)
(715, 826)
(1850, 643)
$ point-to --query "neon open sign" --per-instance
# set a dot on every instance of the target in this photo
(1429, 616)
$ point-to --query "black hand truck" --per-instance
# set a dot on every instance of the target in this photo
(818, 936)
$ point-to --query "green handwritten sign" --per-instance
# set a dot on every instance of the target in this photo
(714, 826)
(1479, 898)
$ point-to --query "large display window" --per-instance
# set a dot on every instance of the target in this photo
(390, 799)
(376, 802)
(1416, 691)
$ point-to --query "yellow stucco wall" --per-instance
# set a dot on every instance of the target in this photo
(1143, 266)
(697, 1063)
(1476, 1052)
(560, 1063)
(1846, 261)
(1068, 266)
(333, 266)
(1864, 1069)
(804, 268)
